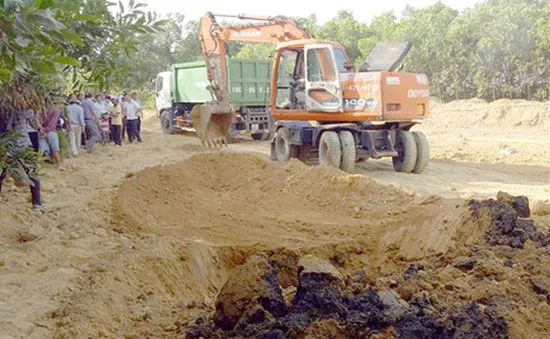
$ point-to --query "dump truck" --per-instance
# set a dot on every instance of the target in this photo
(186, 85)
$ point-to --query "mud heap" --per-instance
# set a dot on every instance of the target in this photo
(508, 224)
(325, 306)
(233, 198)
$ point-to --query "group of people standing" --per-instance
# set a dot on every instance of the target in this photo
(86, 120)
(102, 119)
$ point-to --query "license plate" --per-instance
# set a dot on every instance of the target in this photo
(255, 126)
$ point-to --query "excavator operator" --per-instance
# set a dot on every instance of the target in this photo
(298, 85)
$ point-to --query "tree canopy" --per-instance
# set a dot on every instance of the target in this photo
(496, 49)
(41, 41)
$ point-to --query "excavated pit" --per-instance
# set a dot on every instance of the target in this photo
(289, 251)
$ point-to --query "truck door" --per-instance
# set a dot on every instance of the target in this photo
(323, 86)
(162, 89)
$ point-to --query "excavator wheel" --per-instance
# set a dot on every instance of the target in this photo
(422, 150)
(330, 152)
(347, 143)
(283, 149)
(212, 125)
(405, 146)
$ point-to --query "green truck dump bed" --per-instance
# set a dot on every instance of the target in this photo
(248, 82)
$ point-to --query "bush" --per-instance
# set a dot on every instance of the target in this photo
(63, 144)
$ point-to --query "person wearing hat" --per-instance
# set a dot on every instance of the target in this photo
(49, 140)
(76, 115)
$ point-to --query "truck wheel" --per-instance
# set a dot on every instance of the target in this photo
(422, 150)
(166, 123)
(283, 149)
(406, 148)
(347, 143)
(330, 152)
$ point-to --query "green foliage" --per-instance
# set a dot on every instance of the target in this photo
(256, 51)
(40, 39)
(345, 30)
(309, 23)
(426, 29)
(153, 53)
(63, 144)
(174, 42)
(189, 48)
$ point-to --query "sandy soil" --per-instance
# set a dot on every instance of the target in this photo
(504, 131)
(135, 242)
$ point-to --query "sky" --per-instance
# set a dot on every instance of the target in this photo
(363, 10)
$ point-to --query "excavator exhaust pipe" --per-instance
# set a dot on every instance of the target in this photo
(212, 122)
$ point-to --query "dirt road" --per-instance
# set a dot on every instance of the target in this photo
(77, 269)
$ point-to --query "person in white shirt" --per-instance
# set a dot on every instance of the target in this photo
(135, 98)
(132, 110)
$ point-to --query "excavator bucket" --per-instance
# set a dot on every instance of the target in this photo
(212, 124)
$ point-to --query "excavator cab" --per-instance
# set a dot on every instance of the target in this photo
(308, 78)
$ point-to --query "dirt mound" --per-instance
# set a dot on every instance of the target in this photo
(233, 198)
(464, 103)
(500, 113)
(237, 199)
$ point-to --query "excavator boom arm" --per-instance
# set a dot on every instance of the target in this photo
(213, 37)
(212, 119)
(275, 32)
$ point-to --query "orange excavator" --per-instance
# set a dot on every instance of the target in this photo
(324, 111)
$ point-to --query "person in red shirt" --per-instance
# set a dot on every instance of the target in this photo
(49, 141)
